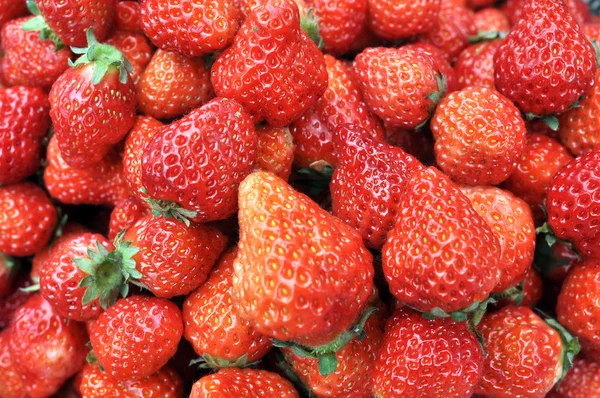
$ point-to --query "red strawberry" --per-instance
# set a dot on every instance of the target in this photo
(491, 20)
(578, 8)
(479, 135)
(9, 269)
(128, 16)
(17, 297)
(135, 47)
(327, 269)
(426, 358)
(449, 262)
(591, 31)
(167, 24)
(71, 19)
(439, 61)
(218, 139)
(173, 85)
(340, 23)
(401, 86)
(27, 218)
(367, 185)
(275, 150)
(101, 184)
(475, 64)
(136, 337)
(533, 289)
(24, 121)
(213, 327)
(11, 384)
(415, 143)
(531, 63)
(278, 92)
(582, 381)
(126, 212)
(46, 349)
(246, 7)
(92, 104)
(11, 9)
(237, 382)
(395, 20)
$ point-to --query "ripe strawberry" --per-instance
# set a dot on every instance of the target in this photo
(173, 85)
(213, 327)
(44, 64)
(127, 16)
(582, 381)
(341, 103)
(426, 358)
(135, 47)
(278, 92)
(92, 104)
(530, 64)
(11, 9)
(439, 61)
(327, 269)
(246, 7)
(126, 212)
(46, 349)
(101, 184)
(367, 185)
(577, 8)
(136, 337)
(237, 382)
(171, 161)
(71, 19)
(533, 288)
(167, 24)
(479, 135)
(275, 150)
(24, 121)
(491, 20)
(475, 64)
(340, 23)
(401, 86)
(415, 143)
(395, 20)
(450, 262)
(12, 302)
(27, 218)
(11, 384)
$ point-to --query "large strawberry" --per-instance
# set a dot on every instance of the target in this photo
(392, 19)
(11, 384)
(475, 64)
(582, 381)
(278, 91)
(237, 382)
(340, 23)
(199, 161)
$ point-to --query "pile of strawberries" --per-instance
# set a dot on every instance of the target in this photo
(299, 198)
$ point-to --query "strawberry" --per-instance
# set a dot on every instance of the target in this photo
(9, 269)
(278, 92)
(581, 382)
(559, 263)
(127, 16)
(533, 288)
(426, 358)
(136, 337)
(275, 150)
(416, 143)
(15, 299)
(27, 218)
(173, 85)
(46, 349)
(167, 25)
(577, 8)
(531, 64)
(479, 135)
(395, 20)
(237, 382)
(341, 103)
(400, 85)
(475, 64)
(101, 184)
(44, 64)
(327, 269)
(491, 20)
(246, 7)
(126, 212)
(340, 23)
(11, 9)
(212, 325)
(450, 262)
(171, 161)
(439, 61)
(92, 104)
(367, 185)
(135, 47)
(71, 19)
(24, 121)
(11, 384)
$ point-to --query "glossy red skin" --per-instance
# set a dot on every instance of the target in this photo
(212, 324)
(275, 150)
(583, 381)
(475, 64)
(531, 64)
(396, 20)
(573, 204)
(44, 64)
(11, 9)
(278, 92)
(135, 47)
(173, 85)
(340, 23)
(246, 6)
(192, 141)
(591, 31)
(60, 277)
(46, 349)
(533, 289)
(479, 135)
(101, 184)
(415, 143)
(15, 299)
(523, 354)
(422, 358)
(128, 16)
(27, 218)
(11, 384)
(491, 19)
(136, 336)
(166, 24)
(395, 83)
(24, 122)
(353, 376)
(440, 62)
(284, 235)
(367, 185)
(513, 9)
(243, 383)
(448, 262)
(341, 103)
(125, 214)
(89, 119)
(174, 259)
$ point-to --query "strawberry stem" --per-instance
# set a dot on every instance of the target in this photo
(207, 361)
(38, 23)
(168, 209)
(309, 23)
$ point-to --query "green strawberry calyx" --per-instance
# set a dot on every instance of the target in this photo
(435, 97)
(570, 346)
(485, 35)
(550, 239)
(103, 57)
(309, 23)
(38, 23)
(168, 209)
(291, 376)
(207, 361)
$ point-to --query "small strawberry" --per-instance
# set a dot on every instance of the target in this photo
(136, 337)
(533, 288)
(11, 9)
(395, 20)
(582, 381)
(275, 150)
(439, 61)
(340, 23)
(11, 384)
(14, 300)
(126, 212)
(475, 64)
(173, 85)
(127, 16)
(491, 20)
(135, 47)
(278, 92)
(237, 382)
